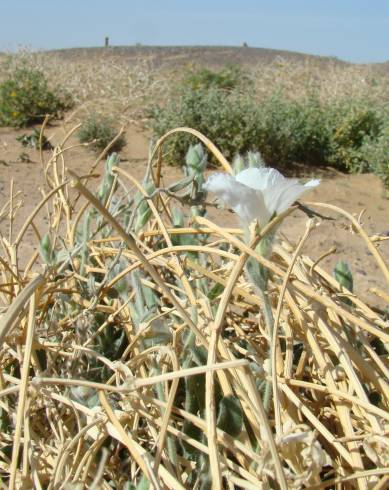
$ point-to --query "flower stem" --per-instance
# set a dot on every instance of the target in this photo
(259, 276)
(269, 321)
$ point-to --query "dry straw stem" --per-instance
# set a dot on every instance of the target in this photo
(274, 340)
(9, 318)
(369, 242)
(210, 385)
(329, 422)
(23, 393)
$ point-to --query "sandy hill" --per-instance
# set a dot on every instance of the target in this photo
(206, 55)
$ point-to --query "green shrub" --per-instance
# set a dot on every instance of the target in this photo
(99, 131)
(284, 131)
(25, 98)
(376, 152)
(228, 78)
(307, 131)
(228, 119)
(311, 132)
(352, 123)
(292, 131)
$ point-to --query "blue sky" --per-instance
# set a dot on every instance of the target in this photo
(353, 30)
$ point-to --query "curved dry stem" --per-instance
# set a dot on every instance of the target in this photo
(370, 244)
(208, 143)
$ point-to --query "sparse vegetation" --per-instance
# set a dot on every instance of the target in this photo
(99, 131)
(112, 87)
(123, 91)
(231, 77)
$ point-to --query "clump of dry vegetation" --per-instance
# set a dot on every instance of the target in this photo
(330, 80)
(113, 87)
(135, 352)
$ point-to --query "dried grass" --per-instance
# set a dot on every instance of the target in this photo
(117, 86)
(324, 429)
(331, 81)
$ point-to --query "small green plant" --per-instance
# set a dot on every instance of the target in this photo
(34, 140)
(344, 275)
(99, 131)
(25, 98)
(228, 78)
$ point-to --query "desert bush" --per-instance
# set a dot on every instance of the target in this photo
(313, 132)
(228, 78)
(25, 98)
(99, 131)
(376, 152)
(292, 131)
(229, 119)
(285, 131)
(351, 123)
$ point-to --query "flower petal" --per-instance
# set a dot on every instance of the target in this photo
(270, 182)
(292, 192)
(245, 201)
(312, 183)
(257, 193)
(260, 178)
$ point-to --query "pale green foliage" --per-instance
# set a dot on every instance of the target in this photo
(228, 119)
(99, 131)
(346, 133)
(376, 152)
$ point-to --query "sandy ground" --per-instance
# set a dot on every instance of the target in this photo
(354, 193)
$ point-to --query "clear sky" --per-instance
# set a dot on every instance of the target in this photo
(353, 30)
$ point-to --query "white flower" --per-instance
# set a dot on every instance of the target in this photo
(257, 193)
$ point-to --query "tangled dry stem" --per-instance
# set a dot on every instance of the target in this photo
(325, 428)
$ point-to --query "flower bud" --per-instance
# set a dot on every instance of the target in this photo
(196, 159)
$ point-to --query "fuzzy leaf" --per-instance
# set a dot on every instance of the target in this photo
(46, 250)
(181, 184)
(344, 275)
(230, 417)
(215, 291)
